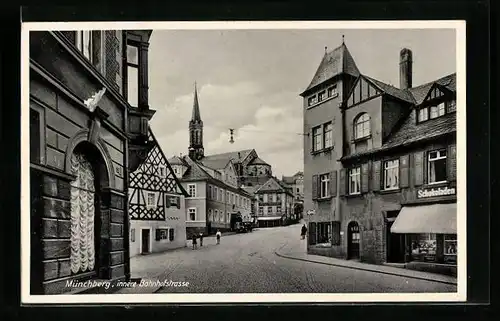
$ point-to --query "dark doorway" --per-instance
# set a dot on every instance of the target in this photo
(353, 241)
(395, 245)
(145, 241)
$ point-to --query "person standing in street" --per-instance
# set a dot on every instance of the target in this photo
(218, 236)
(303, 232)
(194, 241)
(201, 239)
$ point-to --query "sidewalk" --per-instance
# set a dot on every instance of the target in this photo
(350, 264)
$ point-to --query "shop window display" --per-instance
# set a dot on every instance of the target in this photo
(450, 248)
(423, 247)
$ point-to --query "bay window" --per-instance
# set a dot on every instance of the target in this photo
(133, 75)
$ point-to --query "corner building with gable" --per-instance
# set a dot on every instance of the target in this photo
(380, 166)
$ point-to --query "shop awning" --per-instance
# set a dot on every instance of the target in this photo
(435, 218)
(269, 218)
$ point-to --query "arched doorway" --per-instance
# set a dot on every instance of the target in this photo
(353, 239)
(87, 211)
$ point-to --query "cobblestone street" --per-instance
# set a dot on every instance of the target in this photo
(249, 263)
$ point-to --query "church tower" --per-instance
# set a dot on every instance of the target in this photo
(196, 130)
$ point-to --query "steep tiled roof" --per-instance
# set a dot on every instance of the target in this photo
(334, 63)
(251, 189)
(195, 171)
(258, 161)
(393, 91)
(420, 92)
(229, 156)
(215, 163)
(176, 160)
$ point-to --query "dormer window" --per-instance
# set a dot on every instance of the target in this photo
(332, 91)
(437, 111)
(133, 74)
(451, 106)
(362, 126)
(423, 114)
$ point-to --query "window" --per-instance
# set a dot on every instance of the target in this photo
(84, 43)
(234, 199)
(321, 96)
(192, 214)
(332, 91)
(362, 126)
(132, 75)
(261, 210)
(210, 191)
(269, 209)
(173, 201)
(355, 180)
(325, 185)
(192, 190)
(210, 215)
(35, 134)
(423, 247)
(231, 198)
(297, 190)
(312, 100)
(227, 196)
(162, 171)
(324, 232)
(278, 209)
(317, 138)
(216, 215)
(450, 248)
(391, 174)
(437, 111)
(221, 192)
(451, 106)
(278, 197)
(151, 200)
(261, 197)
(423, 114)
(162, 234)
(327, 135)
(214, 193)
(436, 166)
(132, 235)
(171, 234)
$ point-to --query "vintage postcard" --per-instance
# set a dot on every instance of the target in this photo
(219, 162)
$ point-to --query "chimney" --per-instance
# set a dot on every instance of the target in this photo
(405, 68)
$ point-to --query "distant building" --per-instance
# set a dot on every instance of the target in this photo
(380, 165)
(156, 205)
(274, 203)
(296, 182)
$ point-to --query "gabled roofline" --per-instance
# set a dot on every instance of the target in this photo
(177, 181)
(440, 87)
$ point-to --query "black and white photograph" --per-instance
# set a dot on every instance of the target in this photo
(243, 162)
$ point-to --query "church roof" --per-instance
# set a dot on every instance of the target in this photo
(258, 161)
(196, 107)
(214, 163)
(336, 62)
(236, 156)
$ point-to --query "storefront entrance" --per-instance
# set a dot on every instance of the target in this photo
(353, 241)
(395, 245)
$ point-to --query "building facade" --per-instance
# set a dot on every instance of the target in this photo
(296, 182)
(89, 116)
(274, 202)
(156, 205)
(380, 174)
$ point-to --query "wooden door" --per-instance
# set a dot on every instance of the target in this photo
(353, 241)
(395, 245)
(145, 241)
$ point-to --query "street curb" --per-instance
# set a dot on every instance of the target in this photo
(364, 269)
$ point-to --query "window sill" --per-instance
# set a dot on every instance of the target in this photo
(361, 139)
(324, 199)
(357, 195)
(390, 191)
(324, 150)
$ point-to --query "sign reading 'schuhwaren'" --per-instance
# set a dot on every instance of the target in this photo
(435, 192)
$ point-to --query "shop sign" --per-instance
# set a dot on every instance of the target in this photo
(435, 192)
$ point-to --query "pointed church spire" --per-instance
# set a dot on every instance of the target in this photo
(196, 108)
(342, 39)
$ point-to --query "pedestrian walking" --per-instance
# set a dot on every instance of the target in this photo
(201, 239)
(218, 235)
(303, 232)
(194, 241)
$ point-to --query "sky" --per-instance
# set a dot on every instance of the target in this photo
(250, 80)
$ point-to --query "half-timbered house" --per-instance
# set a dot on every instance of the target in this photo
(88, 117)
(156, 205)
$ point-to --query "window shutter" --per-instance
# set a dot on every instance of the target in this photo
(333, 183)
(419, 168)
(167, 201)
(312, 233)
(178, 200)
(452, 163)
(364, 178)
(403, 171)
(315, 187)
(342, 182)
(157, 234)
(376, 176)
(335, 233)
